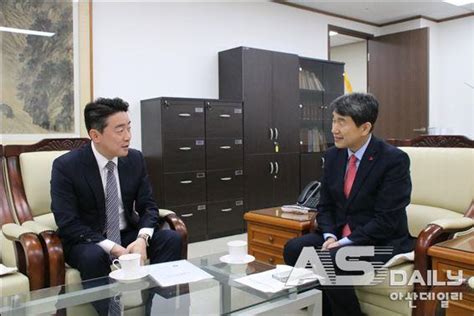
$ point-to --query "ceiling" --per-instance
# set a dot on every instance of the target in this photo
(382, 11)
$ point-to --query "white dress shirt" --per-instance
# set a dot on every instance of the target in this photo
(107, 244)
(359, 154)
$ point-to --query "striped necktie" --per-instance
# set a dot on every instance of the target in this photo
(112, 205)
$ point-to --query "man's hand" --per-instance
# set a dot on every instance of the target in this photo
(328, 242)
(334, 245)
(138, 246)
(118, 250)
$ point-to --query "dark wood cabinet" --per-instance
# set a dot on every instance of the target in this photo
(267, 82)
(194, 154)
(320, 83)
(271, 180)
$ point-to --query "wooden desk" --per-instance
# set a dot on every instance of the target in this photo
(269, 229)
(455, 254)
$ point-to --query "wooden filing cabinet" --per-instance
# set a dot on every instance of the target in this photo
(269, 229)
(194, 153)
(455, 255)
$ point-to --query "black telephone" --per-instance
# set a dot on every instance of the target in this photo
(309, 197)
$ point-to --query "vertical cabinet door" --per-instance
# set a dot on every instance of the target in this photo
(286, 111)
(286, 179)
(257, 95)
(259, 181)
(333, 78)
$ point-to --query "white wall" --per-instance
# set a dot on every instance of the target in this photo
(144, 50)
(452, 77)
(150, 49)
(355, 57)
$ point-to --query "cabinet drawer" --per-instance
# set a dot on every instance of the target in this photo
(225, 185)
(224, 153)
(184, 155)
(225, 217)
(224, 120)
(444, 267)
(194, 217)
(266, 255)
(183, 119)
(270, 237)
(184, 188)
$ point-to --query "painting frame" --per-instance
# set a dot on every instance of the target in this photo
(83, 81)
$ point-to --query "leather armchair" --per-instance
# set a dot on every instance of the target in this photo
(19, 247)
(29, 172)
(441, 205)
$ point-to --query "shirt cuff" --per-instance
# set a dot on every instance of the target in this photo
(107, 245)
(147, 230)
(327, 235)
(345, 241)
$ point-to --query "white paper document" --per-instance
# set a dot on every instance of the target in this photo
(265, 282)
(177, 272)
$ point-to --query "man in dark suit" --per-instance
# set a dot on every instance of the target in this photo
(102, 199)
(365, 189)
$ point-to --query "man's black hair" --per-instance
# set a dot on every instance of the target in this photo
(97, 112)
(361, 107)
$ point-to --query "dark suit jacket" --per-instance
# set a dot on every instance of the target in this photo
(375, 209)
(78, 201)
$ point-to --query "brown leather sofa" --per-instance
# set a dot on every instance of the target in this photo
(29, 173)
(19, 247)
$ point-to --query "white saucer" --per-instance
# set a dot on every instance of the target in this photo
(122, 277)
(228, 259)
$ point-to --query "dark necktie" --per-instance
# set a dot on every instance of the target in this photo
(112, 205)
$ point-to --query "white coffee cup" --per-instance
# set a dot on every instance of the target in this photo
(129, 263)
(237, 250)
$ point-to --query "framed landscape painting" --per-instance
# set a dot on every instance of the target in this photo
(45, 68)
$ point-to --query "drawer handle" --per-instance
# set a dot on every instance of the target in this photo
(225, 115)
(271, 260)
(225, 147)
(226, 210)
(184, 115)
(186, 181)
(187, 215)
(184, 148)
(226, 179)
(270, 238)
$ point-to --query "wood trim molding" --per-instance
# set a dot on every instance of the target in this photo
(342, 30)
(434, 141)
(91, 52)
(416, 17)
(298, 6)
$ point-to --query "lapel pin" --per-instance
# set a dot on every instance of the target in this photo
(371, 158)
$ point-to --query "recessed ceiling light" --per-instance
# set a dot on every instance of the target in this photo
(459, 2)
(23, 31)
(333, 33)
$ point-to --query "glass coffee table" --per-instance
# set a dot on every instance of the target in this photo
(217, 296)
